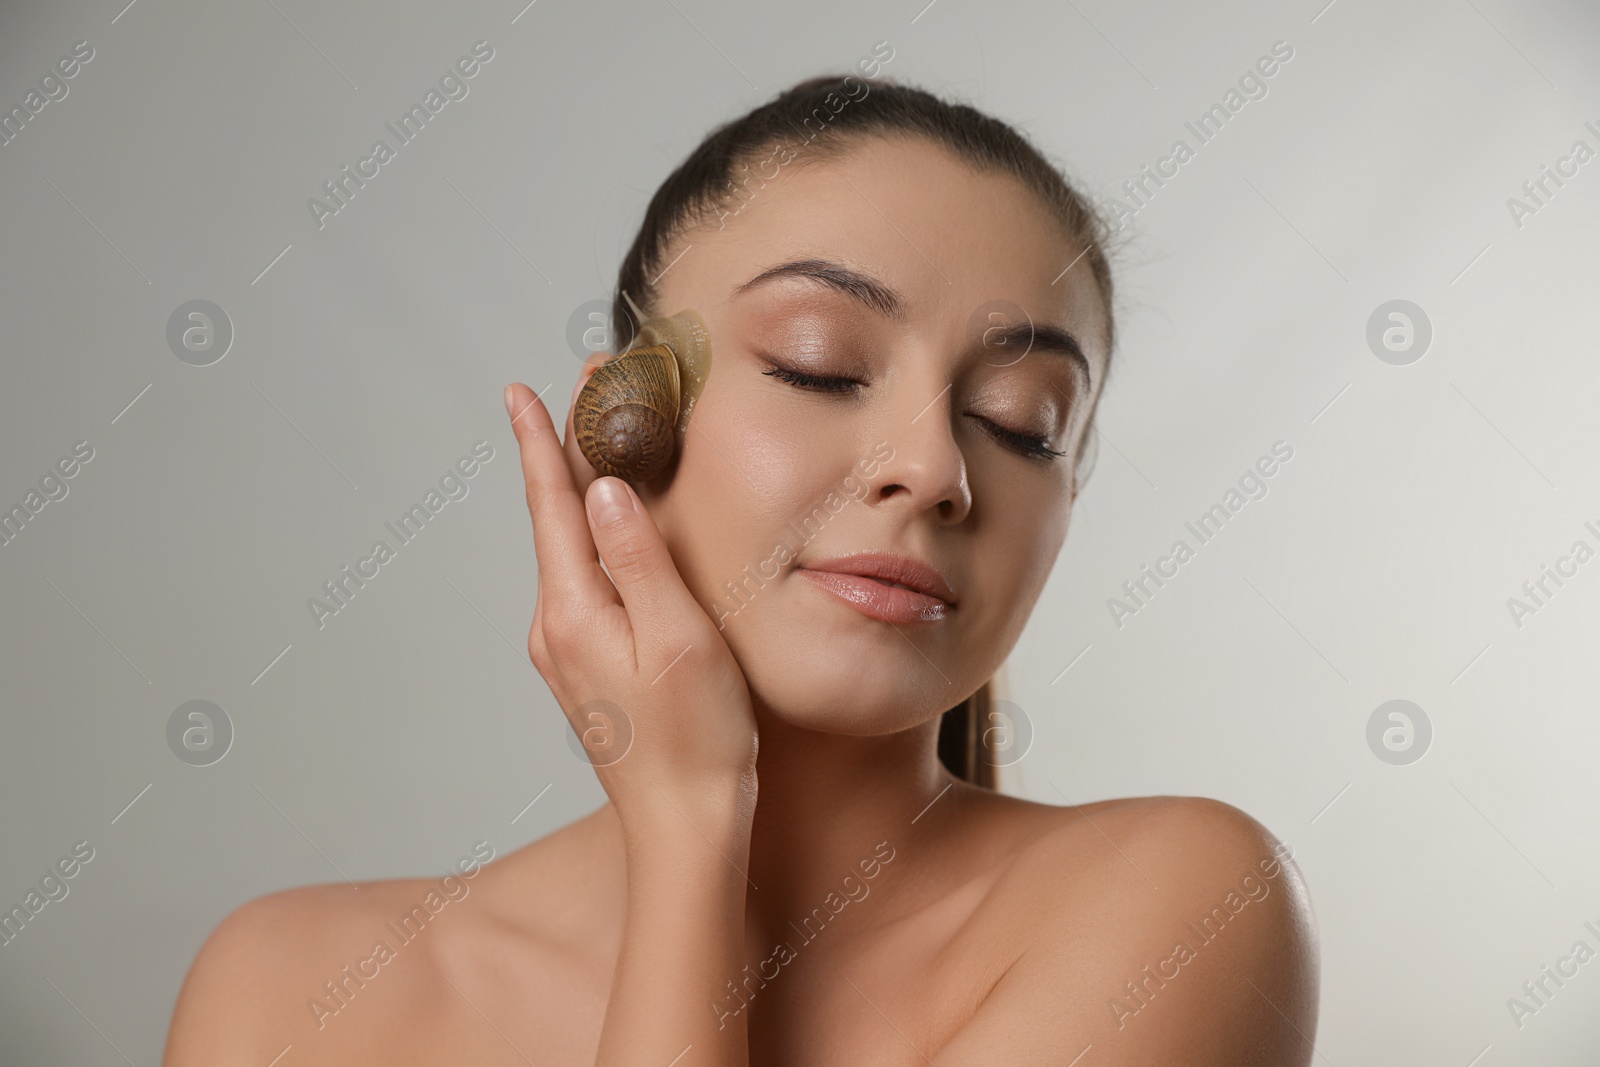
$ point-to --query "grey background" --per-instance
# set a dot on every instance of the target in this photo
(371, 355)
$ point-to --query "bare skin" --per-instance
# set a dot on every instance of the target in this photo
(781, 806)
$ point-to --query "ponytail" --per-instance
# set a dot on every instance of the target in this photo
(963, 740)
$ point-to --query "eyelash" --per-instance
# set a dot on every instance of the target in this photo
(1030, 447)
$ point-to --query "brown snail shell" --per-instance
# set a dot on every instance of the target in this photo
(631, 416)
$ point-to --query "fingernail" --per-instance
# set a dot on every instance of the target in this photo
(609, 500)
(508, 400)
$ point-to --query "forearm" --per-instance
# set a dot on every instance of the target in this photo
(683, 940)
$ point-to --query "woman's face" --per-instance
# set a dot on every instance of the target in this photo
(916, 443)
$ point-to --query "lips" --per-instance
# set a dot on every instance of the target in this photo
(883, 586)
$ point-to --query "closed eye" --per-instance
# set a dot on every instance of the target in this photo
(1036, 448)
(822, 383)
(1030, 446)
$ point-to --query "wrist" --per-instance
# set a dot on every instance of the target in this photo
(676, 819)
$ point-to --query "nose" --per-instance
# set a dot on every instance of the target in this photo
(928, 471)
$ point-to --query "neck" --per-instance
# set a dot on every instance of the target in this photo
(829, 802)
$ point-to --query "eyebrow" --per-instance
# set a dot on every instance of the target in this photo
(1038, 337)
(881, 298)
(853, 283)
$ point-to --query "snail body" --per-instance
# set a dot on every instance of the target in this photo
(632, 414)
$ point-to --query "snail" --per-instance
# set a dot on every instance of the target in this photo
(632, 414)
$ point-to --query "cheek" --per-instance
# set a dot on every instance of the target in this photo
(1046, 536)
(746, 472)
(1015, 550)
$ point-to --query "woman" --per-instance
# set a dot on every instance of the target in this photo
(787, 871)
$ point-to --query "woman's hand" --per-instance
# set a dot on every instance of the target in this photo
(646, 679)
(638, 667)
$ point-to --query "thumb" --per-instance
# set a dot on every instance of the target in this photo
(636, 557)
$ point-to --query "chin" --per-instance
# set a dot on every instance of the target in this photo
(835, 706)
(838, 672)
(813, 661)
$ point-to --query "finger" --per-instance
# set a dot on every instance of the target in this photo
(570, 577)
(660, 607)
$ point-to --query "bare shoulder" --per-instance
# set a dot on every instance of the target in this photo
(1194, 840)
(1185, 870)
(1191, 837)
(245, 997)
(1158, 924)
(385, 970)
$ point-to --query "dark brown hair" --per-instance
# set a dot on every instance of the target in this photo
(822, 118)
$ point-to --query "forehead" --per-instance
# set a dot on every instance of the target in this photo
(949, 239)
